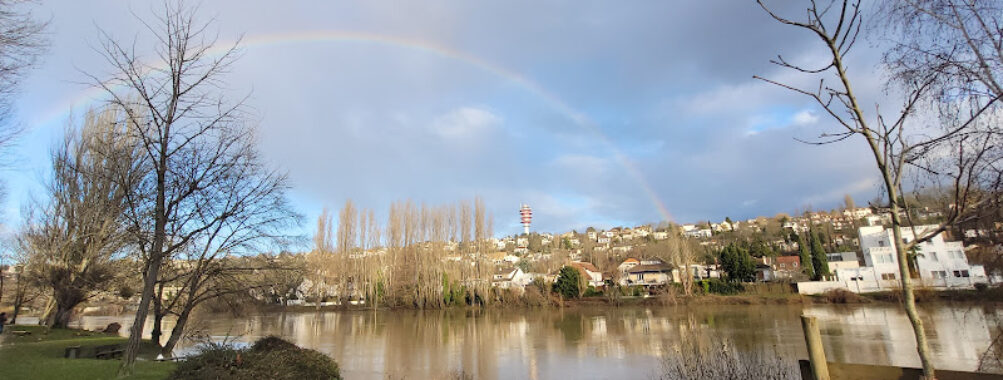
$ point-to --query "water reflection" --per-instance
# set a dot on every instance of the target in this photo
(596, 343)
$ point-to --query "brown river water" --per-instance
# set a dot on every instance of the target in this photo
(599, 343)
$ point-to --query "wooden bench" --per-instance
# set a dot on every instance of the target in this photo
(71, 352)
(20, 332)
(111, 351)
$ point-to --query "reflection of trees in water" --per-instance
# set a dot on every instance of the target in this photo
(545, 343)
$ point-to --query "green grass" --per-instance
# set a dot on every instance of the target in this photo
(40, 356)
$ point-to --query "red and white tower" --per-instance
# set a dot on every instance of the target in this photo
(526, 214)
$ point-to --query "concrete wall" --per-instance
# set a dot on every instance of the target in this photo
(868, 286)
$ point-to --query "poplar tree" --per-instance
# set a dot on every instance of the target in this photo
(818, 259)
(805, 254)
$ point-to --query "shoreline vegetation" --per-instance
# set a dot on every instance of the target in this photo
(839, 296)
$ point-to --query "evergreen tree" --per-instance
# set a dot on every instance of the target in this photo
(805, 254)
(818, 258)
(568, 283)
(737, 262)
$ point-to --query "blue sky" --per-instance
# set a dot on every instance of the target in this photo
(591, 112)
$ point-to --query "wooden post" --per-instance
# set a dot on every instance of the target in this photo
(816, 354)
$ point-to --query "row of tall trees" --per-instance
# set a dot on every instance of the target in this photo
(404, 260)
(814, 261)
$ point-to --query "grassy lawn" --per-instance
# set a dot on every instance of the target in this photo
(40, 356)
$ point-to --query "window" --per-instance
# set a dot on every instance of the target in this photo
(933, 256)
(938, 274)
(881, 243)
(958, 255)
(888, 276)
(782, 265)
(794, 265)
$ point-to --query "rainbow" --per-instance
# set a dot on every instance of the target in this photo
(330, 36)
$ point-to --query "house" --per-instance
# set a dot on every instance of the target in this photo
(764, 272)
(702, 271)
(660, 235)
(842, 260)
(589, 272)
(630, 262)
(647, 273)
(622, 249)
(938, 262)
(700, 233)
(780, 267)
(857, 213)
(506, 277)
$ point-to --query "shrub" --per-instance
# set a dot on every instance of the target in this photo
(724, 363)
(717, 286)
(981, 286)
(637, 291)
(269, 358)
(592, 292)
(843, 296)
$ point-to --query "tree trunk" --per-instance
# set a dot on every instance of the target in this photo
(176, 333)
(922, 347)
(136, 331)
(152, 272)
(18, 303)
(60, 319)
(158, 316)
(50, 305)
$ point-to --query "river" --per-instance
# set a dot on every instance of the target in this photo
(600, 343)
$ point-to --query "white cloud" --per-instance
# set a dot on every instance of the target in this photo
(805, 117)
(465, 122)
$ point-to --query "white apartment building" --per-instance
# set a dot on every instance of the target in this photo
(939, 262)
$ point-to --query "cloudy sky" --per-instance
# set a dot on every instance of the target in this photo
(594, 113)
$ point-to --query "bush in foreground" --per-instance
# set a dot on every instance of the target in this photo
(723, 362)
(269, 358)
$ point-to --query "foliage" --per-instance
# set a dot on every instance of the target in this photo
(805, 256)
(843, 296)
(269, 358)
(737, 262)
(819, 261)
(592, 292)
(71, 241)
(569, 283)
(716, 286)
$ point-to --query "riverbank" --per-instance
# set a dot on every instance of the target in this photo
(992, 295)
(39, 355)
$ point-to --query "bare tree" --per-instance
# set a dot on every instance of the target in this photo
(959, 44)
(955, 153)
(82, 229)
(194, 140)
(320, 261)
(22, 41)
(257, 217)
